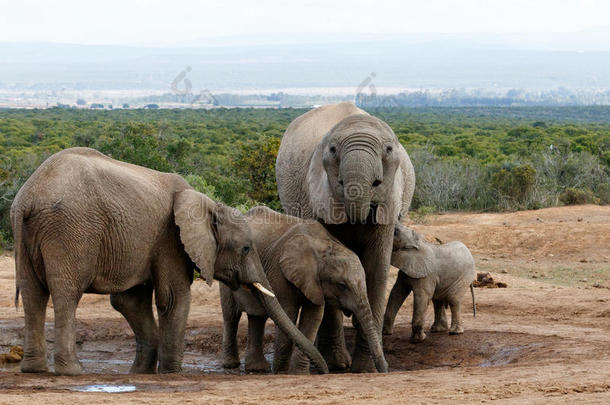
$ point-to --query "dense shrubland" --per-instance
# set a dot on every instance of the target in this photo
(484, 159)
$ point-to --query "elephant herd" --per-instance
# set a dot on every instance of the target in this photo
(85, 223)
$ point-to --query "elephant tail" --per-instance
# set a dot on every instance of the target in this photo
(474, 305)
(16, 298)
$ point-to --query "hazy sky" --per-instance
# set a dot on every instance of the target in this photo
(172, 21)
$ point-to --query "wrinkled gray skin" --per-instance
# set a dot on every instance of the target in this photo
(346, 169)
(441, 273)
(307, 269)
(85, 223)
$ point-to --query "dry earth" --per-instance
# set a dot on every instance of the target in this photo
(544, 338)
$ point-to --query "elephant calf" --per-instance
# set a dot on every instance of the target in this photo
(442, 273)
(306, 268)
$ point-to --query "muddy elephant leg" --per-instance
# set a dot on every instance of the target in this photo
(135, 305)
(230, 315)
(375, 258)
(255, 357)
(283, 344)
(309, 324)
(173, 297)
(399, 293)
(456, 320)
(65, 300)
(440, 317)
(331, 340)
(420, 304)
(35, 298)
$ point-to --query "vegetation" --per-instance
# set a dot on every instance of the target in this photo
(465, 158)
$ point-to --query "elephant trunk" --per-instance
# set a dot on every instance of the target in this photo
(369, 330)
(279, 317)
(360, 172)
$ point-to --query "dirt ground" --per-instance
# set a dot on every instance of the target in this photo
(544, 338)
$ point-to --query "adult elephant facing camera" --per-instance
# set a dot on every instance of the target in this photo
(85, 223)
(345, 168)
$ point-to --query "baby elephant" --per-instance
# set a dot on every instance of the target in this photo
(307, 269)
(442, 273)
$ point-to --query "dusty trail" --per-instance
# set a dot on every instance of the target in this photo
(544, 338)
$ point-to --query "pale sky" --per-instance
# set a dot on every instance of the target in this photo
(175, 21)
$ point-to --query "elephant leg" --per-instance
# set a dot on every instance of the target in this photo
(440, 317)
(420, 304)
(35, 299)
(399, 293)
(283, 344)
(375, 258)
(309, 324)
(173, 297)
(135, 305)
(65, 301)
(255, 357)
(456, 320)
(230, 315)
(331, 340)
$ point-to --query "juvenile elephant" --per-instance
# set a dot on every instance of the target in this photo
(346, 169)
(442, 273)
(307, 269)
(85, 223)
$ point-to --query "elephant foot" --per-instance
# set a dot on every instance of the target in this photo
(418, 336)
(456, 330)
(34, 365)
(230, 361)
(145, 361)
(439, 327)
(337, 358)
(68, 368)
(257, 364)
(363, 363)
(167, 367)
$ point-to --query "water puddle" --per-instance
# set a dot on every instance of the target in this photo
(506, 355)
(107, 388)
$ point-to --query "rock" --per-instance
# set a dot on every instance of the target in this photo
(584, 280)
(14, 355)
(504, 271)
(534, 276)
(597, 285)
(486, 280)
(584, 260)
(500, 284)
(551, 255)
(579, 219)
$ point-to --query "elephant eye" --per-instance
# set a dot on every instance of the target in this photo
(389, 149)
(245, 250)
(332, 149)
(342, 285)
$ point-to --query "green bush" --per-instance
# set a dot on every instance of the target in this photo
(514, 183)
(576, 196)
(420, 215)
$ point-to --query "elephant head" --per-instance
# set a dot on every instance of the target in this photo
(353, 174)
(218, 240)
(411, 253)
(325, 270)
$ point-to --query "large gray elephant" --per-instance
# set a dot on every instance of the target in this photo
(85, 223)
(345, 168)
(307, 269)
(441, 273)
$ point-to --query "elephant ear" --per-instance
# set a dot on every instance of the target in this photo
(299, 264)
(323, 205)
(194, 214)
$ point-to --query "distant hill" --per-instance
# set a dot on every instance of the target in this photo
(535, 61)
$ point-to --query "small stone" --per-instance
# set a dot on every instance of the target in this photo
(504, 271)
(579, 219)
(583, 260)
(597, 285)
(534, 276)
(584, 280)
(551, 255)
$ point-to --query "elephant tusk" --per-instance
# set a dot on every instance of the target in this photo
(262, 289)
